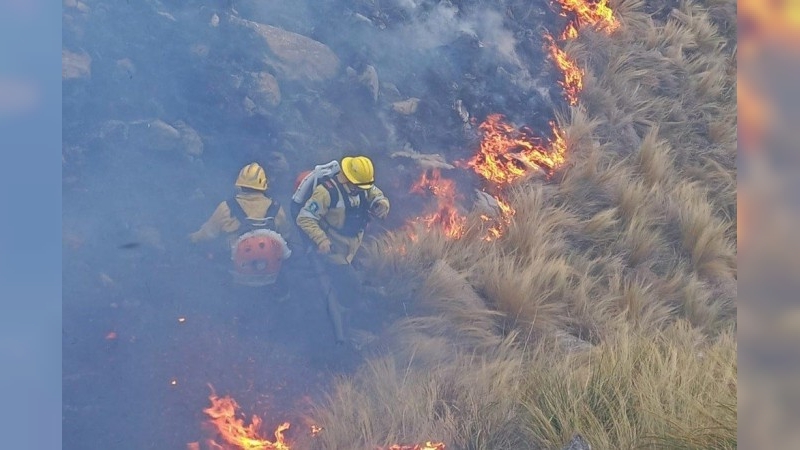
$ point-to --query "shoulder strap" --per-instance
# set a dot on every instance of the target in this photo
(333, 191)
(237, 211)
(272, 211)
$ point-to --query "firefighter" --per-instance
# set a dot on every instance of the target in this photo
(249, 220)
(334, 219)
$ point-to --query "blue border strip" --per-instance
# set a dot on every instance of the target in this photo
(30, 224)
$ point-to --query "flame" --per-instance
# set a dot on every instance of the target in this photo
(234, 431)
(573, 75)
(429, 445)
(571, 32)
(506, 211)
(446, 213)
(507, 154)
(597, 14)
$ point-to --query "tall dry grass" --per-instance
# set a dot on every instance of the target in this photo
(608, 305)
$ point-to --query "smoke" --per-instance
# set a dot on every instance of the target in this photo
(164, 102)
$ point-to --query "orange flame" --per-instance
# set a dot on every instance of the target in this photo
(571, 32)
(507, 154)
(597, 14)
(506, 211)
(446, 214)
(573, 75)
(234, 431)
(426, 446)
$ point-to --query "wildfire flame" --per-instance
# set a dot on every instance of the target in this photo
(597, 14)
(234, 431)
(573, 75)
(446, 214)
(506, 211)
(507, 153)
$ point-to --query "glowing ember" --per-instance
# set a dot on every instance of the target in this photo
(426, 446)
(597, 14)
(446, 214)
(507, 153)
(235, 433)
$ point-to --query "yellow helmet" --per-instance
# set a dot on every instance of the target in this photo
(252, 176)
(359, 171)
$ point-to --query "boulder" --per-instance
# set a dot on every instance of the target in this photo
(191, 143)
(156, 134)
(294, 56)
(369, 78)
(406, 107)
(263, 89)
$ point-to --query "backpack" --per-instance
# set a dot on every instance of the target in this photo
(308, 181)
(259, 251)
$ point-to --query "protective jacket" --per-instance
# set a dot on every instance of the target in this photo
(331, 214)
(254, 204)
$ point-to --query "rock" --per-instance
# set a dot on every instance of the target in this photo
(190, 140)
(167, 15)
(577, 443)
(369, 78)
(250, 106)
(486, 204)
(406, 107)
(75, 65)
(157, 134)
(263, 89)
(163, 131)
(424, 160)
(294, 56)
(462, 111)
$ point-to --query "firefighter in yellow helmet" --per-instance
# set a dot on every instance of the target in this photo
(335, 216)
(334, 219)
(249, 210)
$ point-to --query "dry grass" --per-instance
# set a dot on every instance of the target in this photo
(608, 306)
(669, 390)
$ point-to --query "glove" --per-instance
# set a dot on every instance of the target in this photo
(324, 247)
(380, 209)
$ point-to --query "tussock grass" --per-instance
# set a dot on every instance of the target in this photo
(671, 390)
(608, 305)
